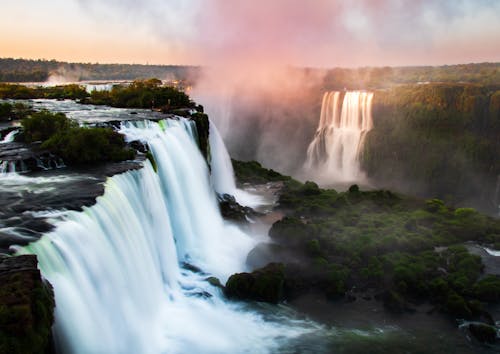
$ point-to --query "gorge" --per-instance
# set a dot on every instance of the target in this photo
(144, 268)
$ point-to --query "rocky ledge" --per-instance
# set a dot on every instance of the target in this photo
(26, 307)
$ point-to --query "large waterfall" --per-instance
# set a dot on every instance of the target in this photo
(124, 270)
(333, 155)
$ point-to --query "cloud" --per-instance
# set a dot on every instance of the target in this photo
(297, 32)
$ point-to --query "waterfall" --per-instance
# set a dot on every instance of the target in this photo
(117, 267)
(333, 155)
(222, 175)
(9, 138)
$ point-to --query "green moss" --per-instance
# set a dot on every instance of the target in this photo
(265, 284)
(488, 289)
(253, 172)
(152, 160)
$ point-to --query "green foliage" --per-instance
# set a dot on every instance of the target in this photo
(386, 241)
(441, 138)
(264, 284)
(456, 305)
(25, 70)
(89, 145)
(42, 125)
(142, 94)
(5, 111)
(76, 145)
(383, 77)
(253, 172)
(14, 91)
(152, 160)
(488, 289)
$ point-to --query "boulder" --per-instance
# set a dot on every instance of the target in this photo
(264, 284)
(232, 210)
(483, 332)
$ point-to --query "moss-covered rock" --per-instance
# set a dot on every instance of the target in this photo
(253, 172)
(264, 284)
(26, 307)
(483, 332)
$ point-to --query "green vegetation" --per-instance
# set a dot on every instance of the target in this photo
(40, 126)
(89, 145)
(405, 250)
(14, 91)
(382, 240)
(75, 145)
(265, 284)
(13, 111)
(440, 140)
(142, 94)
(253, 172)
(384, 77)
(24, 70)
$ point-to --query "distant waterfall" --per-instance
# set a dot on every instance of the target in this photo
(117, 267)
(333, 155)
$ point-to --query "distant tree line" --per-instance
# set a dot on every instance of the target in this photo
(26, 70)
(384, 77)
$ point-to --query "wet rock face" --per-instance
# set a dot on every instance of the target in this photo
(26, 307)
(230, 209)
(264, 284)
(20, 157)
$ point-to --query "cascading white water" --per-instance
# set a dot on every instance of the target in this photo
(222, 173)
(333, 155)
(115, 267)
(9, 138)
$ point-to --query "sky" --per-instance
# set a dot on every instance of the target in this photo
(315, 33)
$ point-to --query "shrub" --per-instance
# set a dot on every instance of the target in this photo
(87, 145)
(42, 125)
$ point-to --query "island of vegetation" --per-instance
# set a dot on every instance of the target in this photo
(400, 250)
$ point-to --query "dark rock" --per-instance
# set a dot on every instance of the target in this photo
(483, 332)
(139, 146)
(265, 284)
(265, 253)
(230, 209)
(202, 128)
(394, 302)
(354, 188)
(191, 268)
(26, 307)
(215, 282)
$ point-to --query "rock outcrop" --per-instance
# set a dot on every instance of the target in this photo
(26, 307)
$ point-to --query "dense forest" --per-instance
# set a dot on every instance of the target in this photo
(438, 140)
(26, 70)
(384, 77)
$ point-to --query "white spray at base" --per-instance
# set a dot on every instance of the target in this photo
(115, 266)
(333, 155)
(222, 173)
